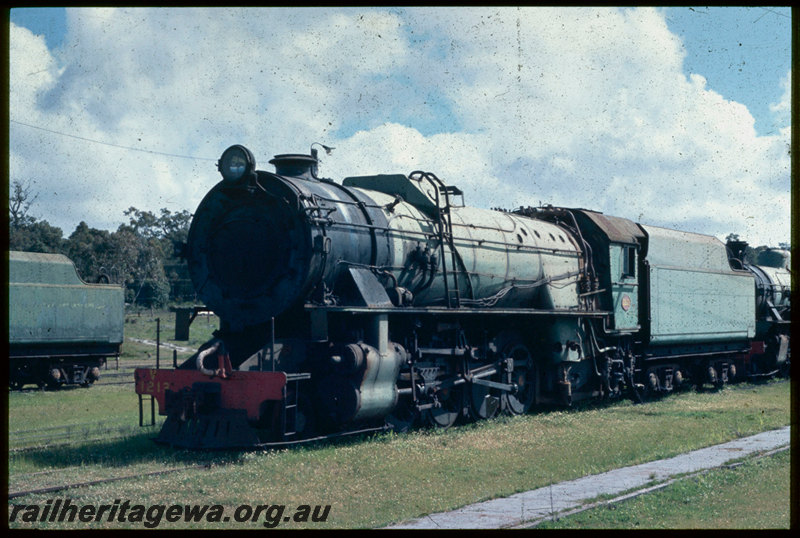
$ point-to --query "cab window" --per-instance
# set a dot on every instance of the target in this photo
(628, 261)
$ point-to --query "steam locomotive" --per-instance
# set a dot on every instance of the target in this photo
(385, 301)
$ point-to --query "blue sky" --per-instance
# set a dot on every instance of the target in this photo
(675, 117)
(742, 52)
(48, 22)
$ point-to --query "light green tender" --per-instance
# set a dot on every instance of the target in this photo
(695, 296)
(49, 303)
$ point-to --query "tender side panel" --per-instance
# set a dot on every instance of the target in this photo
(694, 295)
(40, 313)
(688, 306)
(49, 304)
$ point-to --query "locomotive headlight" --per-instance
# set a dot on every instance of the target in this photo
(236, 162)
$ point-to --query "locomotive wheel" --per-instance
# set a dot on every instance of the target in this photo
(305, 424)
(677, 380)
(452, 401)
(638, 394)
(484, 403)
(635, 391)
(786, 367)
(652, 386)
(732, 374)
(404, 416)
(524, 376)
(715, 378)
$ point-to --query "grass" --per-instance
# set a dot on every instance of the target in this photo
(143, 326)
(753, 495)
(377, 480)
(102, 409)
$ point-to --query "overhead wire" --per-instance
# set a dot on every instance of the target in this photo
(120, 146)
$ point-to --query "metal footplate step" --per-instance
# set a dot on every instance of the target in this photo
(290, 415)
(291, 402)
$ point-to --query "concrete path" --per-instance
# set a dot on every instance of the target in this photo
(164, 344)
(531, 507)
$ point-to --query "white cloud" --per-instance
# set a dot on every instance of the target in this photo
(31, 68)
(782, 109)
(580, 107)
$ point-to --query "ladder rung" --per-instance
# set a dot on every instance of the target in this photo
(290, 413)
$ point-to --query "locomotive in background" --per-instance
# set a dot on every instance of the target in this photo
(61, 330)
(384, 300)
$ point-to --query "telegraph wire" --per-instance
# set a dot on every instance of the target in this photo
(112, 145)
(771, 11)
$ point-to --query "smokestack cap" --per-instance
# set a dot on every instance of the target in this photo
(295, 165)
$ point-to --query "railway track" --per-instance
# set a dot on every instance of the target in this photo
(67, 435)
(23, 477)
(73, 485)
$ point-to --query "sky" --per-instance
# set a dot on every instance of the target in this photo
(675, 117)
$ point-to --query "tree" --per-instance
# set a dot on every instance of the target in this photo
(139, 260)
(24, 231)
(19, 203)
(38, 236)
(92, 252)
(164, 232)
(143, 223)
(167, 228)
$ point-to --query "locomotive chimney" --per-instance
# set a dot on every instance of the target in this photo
(736, 248)
(296, 165)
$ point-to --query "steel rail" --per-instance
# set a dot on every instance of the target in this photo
(61, 487)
